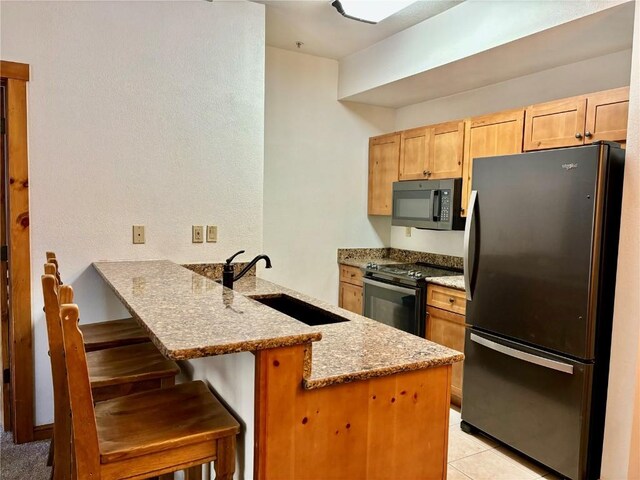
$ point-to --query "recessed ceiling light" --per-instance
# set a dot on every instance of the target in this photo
(370, 11)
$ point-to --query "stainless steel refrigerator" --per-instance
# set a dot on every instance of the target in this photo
(540, 257)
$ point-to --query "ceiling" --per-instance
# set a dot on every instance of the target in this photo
(326, 33)
(602, 33)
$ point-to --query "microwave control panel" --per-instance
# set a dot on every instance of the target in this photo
(445, 205)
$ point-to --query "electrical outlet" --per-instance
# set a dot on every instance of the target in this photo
(138, 234)
(197, 234)
(212, 233)
(407, 231)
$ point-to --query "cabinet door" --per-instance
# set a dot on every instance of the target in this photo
(445, 154)
(486, 136)
(607, 114)
(447, 328)
(414, 153)
(555, 124)
(351, 297)
(384, 155)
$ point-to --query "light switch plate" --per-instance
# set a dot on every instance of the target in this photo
(138, 234)
(197, 234)
(212, 233)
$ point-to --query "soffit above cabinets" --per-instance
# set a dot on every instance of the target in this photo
(591, 36)
(326, 33)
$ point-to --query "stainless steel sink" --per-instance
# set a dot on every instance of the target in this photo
(301, 311)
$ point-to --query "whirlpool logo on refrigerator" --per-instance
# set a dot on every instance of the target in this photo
(569, 166)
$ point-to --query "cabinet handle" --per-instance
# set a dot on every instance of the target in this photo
(578, 136)
(353, 275)
(451, 300)
(426, 172)
(587, 134)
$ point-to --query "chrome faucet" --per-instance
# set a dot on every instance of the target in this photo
(228, 276)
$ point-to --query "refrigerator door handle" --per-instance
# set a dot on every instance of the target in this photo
(467, 239)
(527, 357)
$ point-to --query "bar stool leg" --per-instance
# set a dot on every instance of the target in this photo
(225, 464)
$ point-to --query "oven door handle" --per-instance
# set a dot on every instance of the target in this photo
(395, 288)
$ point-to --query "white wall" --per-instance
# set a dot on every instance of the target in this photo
(315, 192)
(601, 73)
(139, 113)
(621, 457)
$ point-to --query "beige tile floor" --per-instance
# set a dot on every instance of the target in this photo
(475, 457)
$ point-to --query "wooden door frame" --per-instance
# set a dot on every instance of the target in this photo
(21, 336)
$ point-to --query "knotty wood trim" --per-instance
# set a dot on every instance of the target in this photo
(21, 338)
(14, 70)
(42, 432)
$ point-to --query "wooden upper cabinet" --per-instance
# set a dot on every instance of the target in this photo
(384, 154)
(555, 124)
(607, 114)
(432, 152)
(578, 120)
(414, 153)
(486, 136)
(445, 159)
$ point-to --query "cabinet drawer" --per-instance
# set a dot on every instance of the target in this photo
(351, 275)
(449, 299)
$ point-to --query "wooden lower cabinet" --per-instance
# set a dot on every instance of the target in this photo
(388, 427)
(350, 294)
(446, 325)
(448, 329)
(351, 297)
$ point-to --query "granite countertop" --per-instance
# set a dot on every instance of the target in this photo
(454, 281)
(190, 316)
(359, 348)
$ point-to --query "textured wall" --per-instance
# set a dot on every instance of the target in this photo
(315, 192)
(139, 113)
(601, 73)
(621, 459)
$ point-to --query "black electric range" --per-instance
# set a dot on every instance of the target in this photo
(408, 273)
(396, 294)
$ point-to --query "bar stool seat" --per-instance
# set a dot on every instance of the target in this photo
(108, 334)
(125, 370)
(153, 422)
(113, 333)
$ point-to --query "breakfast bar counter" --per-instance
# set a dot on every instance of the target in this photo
(352, 399)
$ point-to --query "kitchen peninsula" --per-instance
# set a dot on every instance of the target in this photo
(352, 399)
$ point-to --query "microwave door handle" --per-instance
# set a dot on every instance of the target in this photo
(436, 205)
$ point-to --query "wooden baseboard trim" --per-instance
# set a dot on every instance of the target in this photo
(43, 432)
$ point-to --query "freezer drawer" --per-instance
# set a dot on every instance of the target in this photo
(533, 401)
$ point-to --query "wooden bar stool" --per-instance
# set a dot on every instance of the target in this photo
(109, 334)
(113, 372)
(145, 434)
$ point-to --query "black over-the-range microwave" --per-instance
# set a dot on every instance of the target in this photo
(428, 204)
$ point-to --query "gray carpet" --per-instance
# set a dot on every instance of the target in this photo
(27, 461)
